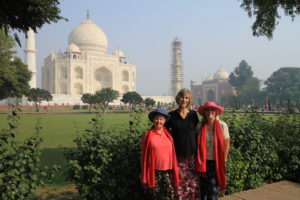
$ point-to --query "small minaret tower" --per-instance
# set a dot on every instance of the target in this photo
(176, 67)
(30, 56)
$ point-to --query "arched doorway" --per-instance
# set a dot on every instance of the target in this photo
(103, 77)
(211, 95)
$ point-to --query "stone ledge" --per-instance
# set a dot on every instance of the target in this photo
(283, 190)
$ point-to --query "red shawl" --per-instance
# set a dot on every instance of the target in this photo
(219, 152)
(147, 161)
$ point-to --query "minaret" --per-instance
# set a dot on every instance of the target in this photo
(30, 56)
(176, 67)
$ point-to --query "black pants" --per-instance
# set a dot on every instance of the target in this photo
(209, 188)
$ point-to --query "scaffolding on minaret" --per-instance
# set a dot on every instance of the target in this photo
(176, 71)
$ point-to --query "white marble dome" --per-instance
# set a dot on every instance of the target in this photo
(73, 48)
(209, 78)
(119, 53)
(221, 74)
(88, 36)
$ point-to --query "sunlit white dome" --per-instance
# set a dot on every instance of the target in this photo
(221, 74)
(88, 36)
(73, 48)
(119, 53)
(209, 78)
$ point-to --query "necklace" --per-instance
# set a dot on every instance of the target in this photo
(183, 113)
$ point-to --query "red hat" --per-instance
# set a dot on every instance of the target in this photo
(210, 104)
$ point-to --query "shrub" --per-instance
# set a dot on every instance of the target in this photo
(19, 166)
(76, 107)
(286, 130)
(84, 107)
(253, 159)
(105, 164)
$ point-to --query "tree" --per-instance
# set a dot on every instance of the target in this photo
(240, 75)
(132, 98)
(250, 91)
(22, 15)
(284, 84)
(267, 15)
(149, 102)
(105, 96)
(247, 86)
(14, 75)
(38, 95)
(89, 99)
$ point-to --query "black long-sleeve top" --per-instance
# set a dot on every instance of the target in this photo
(183, 132)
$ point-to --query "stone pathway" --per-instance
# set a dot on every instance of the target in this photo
(284, 190)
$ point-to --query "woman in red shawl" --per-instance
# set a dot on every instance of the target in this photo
(213, 147)
(159, 171)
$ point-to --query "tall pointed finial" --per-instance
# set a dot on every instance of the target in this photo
(88, 14)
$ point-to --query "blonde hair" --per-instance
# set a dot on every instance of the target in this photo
(184, 92)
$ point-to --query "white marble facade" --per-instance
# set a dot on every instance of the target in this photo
(86, 67)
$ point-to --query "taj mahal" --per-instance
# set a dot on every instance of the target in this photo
(85, 66)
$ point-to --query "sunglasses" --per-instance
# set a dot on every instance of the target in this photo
(210, 109)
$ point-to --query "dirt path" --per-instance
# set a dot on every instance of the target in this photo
(64, 193)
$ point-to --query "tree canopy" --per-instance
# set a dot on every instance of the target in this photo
(267, 14)
(89, 99)
(250, 91)
(22, 15)
(38, 95)
(105, 96)
(149, 102)
(132, 98)
(284, 84)
(14, 75)
(240, 75)
(248, 87)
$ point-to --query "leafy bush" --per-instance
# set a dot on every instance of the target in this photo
(18, 162)
(286, 130)
(105, 164)
(253, 159)
(84, 107)
(236, 172)
(76, 107)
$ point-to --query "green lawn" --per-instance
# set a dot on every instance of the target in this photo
(60, 129)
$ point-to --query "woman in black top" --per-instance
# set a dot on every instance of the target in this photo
(182, 125)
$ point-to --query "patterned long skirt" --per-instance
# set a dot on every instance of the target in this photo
(189, 179)
(209, 184)
(164, 189)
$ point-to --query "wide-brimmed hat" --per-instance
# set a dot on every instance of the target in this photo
(158, 111)
(210, 104)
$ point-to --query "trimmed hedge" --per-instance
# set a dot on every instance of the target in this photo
(105, 164)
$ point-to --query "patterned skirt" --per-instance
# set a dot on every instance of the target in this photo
(164, 189)
(189, 179)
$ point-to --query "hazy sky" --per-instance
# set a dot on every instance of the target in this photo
(213, 34)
